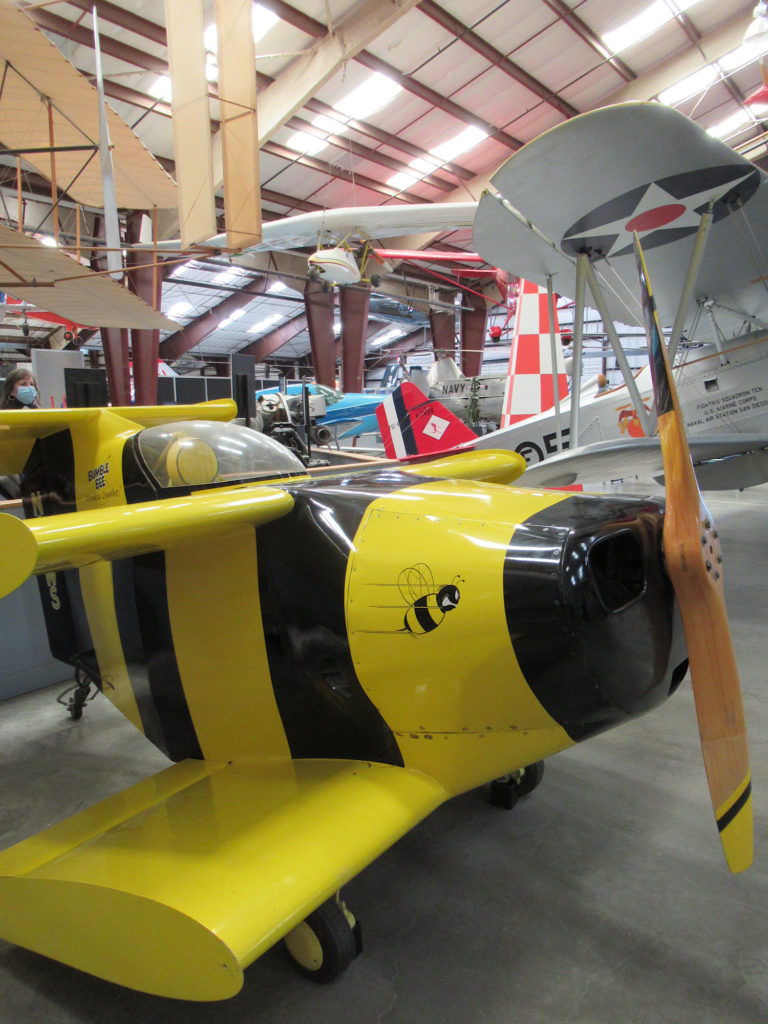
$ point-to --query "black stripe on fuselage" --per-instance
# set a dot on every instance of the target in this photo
(143, 619)
(725, 819)
(302, 571)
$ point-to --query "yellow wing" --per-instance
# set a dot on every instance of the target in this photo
(175, 885)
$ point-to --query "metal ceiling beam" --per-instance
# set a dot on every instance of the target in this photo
(274, 340)
(337, 172)
(408, 343)
(495, 57)
(591, 38)
(301, 79)
(712, 46)
(188, 337)
(434, 98)
(316, 29)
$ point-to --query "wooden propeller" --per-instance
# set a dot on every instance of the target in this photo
(695, 565)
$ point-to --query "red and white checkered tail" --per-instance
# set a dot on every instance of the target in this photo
(529, 377)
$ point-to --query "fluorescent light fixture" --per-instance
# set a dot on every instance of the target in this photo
(372, 95)
(730, 125)
(306, 144)
(689, 86)
(278, 286)
(49, 241)
(262, 325)
(180, 308)
(644, 24)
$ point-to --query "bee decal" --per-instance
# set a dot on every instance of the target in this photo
(427, 603)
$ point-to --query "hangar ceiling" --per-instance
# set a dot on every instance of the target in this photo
(423, 111)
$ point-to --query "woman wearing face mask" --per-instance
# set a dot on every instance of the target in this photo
(19, 391)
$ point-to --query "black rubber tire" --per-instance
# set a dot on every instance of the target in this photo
(532, 776)
(338, 948)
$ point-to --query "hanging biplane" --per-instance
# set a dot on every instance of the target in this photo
(291, 642)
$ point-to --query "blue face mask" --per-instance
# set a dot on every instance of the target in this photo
(26, 394)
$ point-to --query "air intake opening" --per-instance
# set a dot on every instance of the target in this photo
(616, 565)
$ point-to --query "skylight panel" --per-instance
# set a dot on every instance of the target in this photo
(180, 308)
(689, 86)
(644, 24)
(372, 95)
(461, 143)
(438, 156)
(225, 276)
(262, 21)
(262, 325)
(730, 125)
(234, 315)
(306, 144)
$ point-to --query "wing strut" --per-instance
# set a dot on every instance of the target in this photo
(694, 563)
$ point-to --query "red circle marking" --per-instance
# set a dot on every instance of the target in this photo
(655, 218)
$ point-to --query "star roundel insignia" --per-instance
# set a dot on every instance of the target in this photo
(661, 212)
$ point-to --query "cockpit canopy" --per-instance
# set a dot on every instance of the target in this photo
(193, 453)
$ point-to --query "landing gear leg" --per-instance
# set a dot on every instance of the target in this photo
(326, 943)
(506, 791)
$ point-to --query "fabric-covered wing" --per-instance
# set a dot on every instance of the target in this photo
(52, 280)
(360, 223)
(727, 462)
(588, 183)
(175, 885)
(35, 68)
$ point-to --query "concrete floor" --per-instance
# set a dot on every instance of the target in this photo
(603, 897)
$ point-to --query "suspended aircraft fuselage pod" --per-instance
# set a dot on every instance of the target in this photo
(463, 629)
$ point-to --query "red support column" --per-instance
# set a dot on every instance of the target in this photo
(114, 343)
(319, 308)
(147, 282)
(443, 326)
(473, 323)
(354, 303)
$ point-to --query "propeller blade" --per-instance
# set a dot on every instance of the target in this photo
(695, 565)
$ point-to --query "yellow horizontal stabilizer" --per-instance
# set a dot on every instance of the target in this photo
(490, 466)
(175, 885)
(75, 539)
(20, 428)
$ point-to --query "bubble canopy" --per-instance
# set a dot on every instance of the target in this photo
(193, 453)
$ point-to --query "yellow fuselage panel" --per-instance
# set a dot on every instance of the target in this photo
(455, 675)
(99, 460)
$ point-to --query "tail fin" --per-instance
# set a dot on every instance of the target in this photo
(411, 424)
(529, 378)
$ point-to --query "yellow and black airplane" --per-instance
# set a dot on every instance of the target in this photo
(328, 659)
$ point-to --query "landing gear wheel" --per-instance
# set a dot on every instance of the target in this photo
(532, 776)
(326, 943)
(506, 791)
